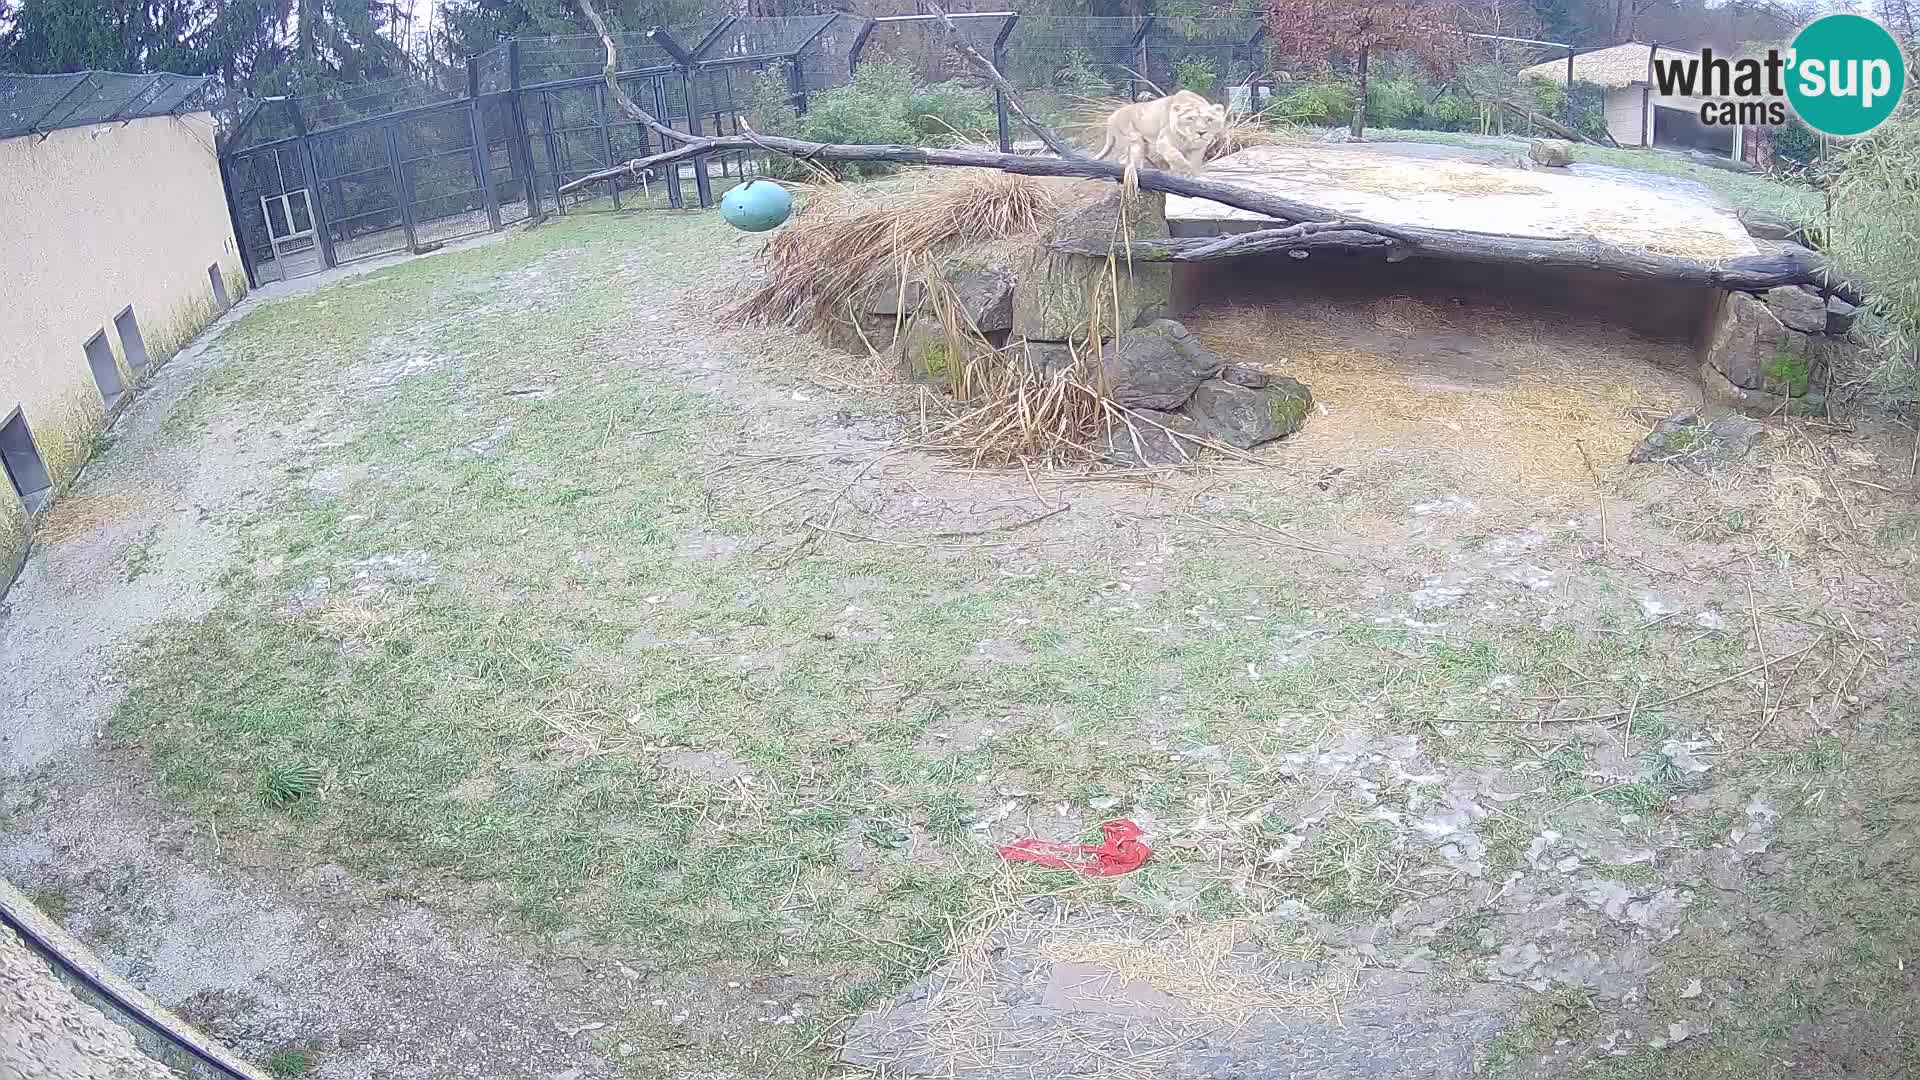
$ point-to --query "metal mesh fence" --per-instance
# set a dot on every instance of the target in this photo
(398, 165)
(37, 104)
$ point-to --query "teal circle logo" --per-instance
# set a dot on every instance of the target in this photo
(1845, 74)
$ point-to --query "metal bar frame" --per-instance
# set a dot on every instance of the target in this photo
(676, 199)
(152, 82)
(51, 109)
(246, 121)
(606, 140)
(233, 220)
(477, 136)
(1139, 48)
(400, 192)
(550, 137)
(1001, 121)
(713, 36)
(521, 143)
(310, 172)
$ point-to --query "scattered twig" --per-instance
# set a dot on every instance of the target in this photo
(1662, 703)
(1061, 509)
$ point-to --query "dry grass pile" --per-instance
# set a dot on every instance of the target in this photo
(847, 239)
(1806, 488)
(1210, 970)
(79, 515)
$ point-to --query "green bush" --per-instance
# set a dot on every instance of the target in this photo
(1874, 233)
(1078, 74)
(1397, 103)
(947, 108)
(1796, 142)
(882, 104)
(1321, 101)
(770, 102)
(1195, 74)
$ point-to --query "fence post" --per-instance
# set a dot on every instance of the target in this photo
(1568, 118)
(702, 183)
(999, 95)
(482, 158)
(310, 173)
(675, 198)
(1139, 47)
(400, 185)
(859, 44)
(552, 141)
(519, 143)
(606, 140)
(797, 83)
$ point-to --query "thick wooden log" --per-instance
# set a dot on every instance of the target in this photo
(1787, 265)
(1257, 202)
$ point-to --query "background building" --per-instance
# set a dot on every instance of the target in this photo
(116, 248)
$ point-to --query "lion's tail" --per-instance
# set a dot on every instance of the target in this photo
(1106, 147)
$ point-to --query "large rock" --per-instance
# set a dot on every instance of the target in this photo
(1150, 439)
(984, 294)
(864, 332)
(1746, 339)
(1840, 316)
(1553, 153)
(1061, 296)
(1157, 366)
(1798, 309)
(1767, 225)
(1691, 438)
(890, 296)
(1243, 416)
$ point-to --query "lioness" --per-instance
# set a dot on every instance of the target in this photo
(1173, 132)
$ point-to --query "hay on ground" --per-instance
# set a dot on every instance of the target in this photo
(847, 239)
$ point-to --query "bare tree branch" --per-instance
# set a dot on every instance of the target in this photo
(620, 98)
(972, 55)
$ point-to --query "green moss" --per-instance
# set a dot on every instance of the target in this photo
(1786, 369)
(1289, 412)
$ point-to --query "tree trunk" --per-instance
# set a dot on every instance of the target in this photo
(1360, 104)
(1748, 273)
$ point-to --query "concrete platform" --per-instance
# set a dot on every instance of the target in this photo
(1472, 190)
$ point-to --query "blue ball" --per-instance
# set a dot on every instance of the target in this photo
(756, 206)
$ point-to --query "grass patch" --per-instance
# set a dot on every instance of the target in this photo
(293, 1062)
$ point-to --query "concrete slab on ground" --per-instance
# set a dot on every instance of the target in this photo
(1459, 189)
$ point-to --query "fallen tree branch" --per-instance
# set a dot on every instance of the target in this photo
(1257, 202)
(1749, 273)
(1548, 122)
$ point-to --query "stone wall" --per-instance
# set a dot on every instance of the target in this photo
(1097, 320)
(1771, 353)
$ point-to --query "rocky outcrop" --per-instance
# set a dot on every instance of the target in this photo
(1061, 297)
(1176, 386)
(1770, 353)
(1156, 366)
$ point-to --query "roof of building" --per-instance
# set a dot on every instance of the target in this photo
(37, 104)
(1619, 65)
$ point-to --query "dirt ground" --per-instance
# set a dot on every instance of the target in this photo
(501, 664)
